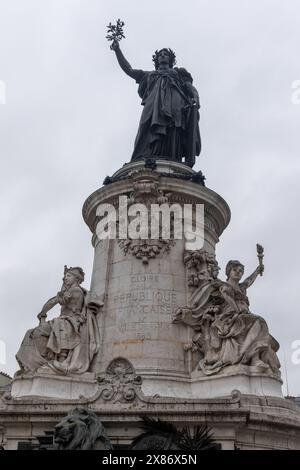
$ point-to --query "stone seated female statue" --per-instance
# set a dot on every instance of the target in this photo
(68, 343)
(226, 333)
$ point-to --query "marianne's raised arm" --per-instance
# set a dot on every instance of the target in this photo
(124, 64)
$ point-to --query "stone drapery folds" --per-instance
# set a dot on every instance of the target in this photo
(66, 344)
(226, 333)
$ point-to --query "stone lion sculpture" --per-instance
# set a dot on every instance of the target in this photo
(81, 429)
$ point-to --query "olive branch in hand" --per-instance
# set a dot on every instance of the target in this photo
(115, 32)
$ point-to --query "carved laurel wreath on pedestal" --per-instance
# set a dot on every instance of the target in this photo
(146, 192)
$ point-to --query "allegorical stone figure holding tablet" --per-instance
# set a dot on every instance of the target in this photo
(68, 343)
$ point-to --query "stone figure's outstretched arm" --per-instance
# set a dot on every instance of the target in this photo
(250, 279)
(124, 64)
(48, 306)
(61, 298)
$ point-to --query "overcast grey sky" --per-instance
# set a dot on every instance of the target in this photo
(71, 116)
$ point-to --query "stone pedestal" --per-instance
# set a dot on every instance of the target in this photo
(142, 289)
(221, 385)
(145, 365)
(239, 421)
(48, 385)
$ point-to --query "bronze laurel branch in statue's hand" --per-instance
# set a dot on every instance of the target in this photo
(115, 33)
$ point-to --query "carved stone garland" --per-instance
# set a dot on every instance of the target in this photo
(145, 191)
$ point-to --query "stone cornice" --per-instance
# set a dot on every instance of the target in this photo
(183, 191)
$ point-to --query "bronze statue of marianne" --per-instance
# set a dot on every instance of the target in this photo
(169, 125)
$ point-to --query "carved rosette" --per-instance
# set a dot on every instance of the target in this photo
(120, 383)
